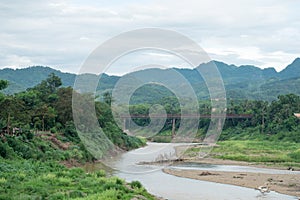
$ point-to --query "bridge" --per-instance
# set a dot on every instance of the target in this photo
(193, 116)
(179, 116)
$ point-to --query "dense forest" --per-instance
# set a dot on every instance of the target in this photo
(270, 120)
(38, 139)
(47, 107)
(38, 135)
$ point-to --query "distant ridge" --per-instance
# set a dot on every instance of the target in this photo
(243, 82)
(21, 79)
(292, 70)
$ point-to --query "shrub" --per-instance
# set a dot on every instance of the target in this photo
(295, 155)
(136, 184)
(28, 134)
(76, 193)
(71, 133)
(6, 151)
(53, 130)
(100, 173)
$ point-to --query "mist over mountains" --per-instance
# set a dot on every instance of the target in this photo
(241, 82)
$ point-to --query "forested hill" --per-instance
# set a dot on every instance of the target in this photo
(21, 79)
(241, 82)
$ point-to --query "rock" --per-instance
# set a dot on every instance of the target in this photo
(206, 173)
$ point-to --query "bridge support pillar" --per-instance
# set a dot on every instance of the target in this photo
(124, 124)
(173, 127)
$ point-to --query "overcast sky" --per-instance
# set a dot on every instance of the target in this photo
(61, 34)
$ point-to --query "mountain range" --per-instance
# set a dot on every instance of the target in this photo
(241, 82)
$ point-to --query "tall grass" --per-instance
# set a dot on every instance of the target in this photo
(255, 151)
(27, 179)
(258, 151)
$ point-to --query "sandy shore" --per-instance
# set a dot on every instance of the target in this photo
(283, 183)
(215, 161)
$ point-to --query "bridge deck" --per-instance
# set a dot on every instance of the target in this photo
(178, 116)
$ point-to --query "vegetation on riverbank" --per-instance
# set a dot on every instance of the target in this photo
(263, 152)
(47, 108)
(258, 151)
(37, 126)
(30, 179)
(30, 168)
(273, 121)
(38, 136)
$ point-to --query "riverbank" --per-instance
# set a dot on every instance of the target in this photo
(216, 161)
(288, 184)
(262, 153)
(282, 183)
(251, 153)
(32, 179)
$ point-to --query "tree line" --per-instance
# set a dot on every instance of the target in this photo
(270, 120)
(47, 107)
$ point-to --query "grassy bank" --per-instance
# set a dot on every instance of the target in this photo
(28, 179)
(267, 152)
(30, 168)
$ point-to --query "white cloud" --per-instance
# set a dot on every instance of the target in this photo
(143, 59)
(61, 34)
(15, 61)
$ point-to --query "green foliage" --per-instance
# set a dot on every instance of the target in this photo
(161, 138)
(295, 155)
(48, 86)
(46, 107)
(53, 130)
(273, 121)
(136, 184)
(3, 84)
(28, 160)
(112, 131)
(28, 179)
(63, 105)
(107, 98)
(6, 151)
(100, 173)
(258, 151)
(70, 132)
(40, 148)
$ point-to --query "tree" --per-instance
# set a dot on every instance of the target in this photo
(63, 105)
(44, 117)
(107, 98)
(3, 84)
(53, 82)
(12, 110)
(47, 88)
(29, 98)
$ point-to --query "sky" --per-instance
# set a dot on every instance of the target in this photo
(62, 34)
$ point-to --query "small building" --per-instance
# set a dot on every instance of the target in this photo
(297, 115)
